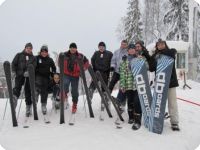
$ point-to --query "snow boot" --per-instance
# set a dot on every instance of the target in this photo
(44, 108)
(28, 110)
(74, 108)
(175, 127)
(137, 122)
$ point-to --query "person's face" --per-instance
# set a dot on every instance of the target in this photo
(28, 50)
(56, 78)
(161, 46)
(73, 50)
(44, 53)
(131, 51)
(124, 45)
(101, 48)
(138, 47)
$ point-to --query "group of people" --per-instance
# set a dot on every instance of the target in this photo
(118, 64)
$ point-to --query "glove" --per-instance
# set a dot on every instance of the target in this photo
(26, 74)
(123, 90)
(112, 69)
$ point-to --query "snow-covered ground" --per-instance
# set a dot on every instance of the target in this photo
(89, 133)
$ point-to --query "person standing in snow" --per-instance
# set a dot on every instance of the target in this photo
(128, 87)
(100, 61)
(115, 64)
(72, 72)
(162, 48)
(44, 70)
(19, 69)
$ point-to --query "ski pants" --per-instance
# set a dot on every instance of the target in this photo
(19, 82)
(41, 87)
(120, 96)
(74, 81)
(172, 106)
(133, 103)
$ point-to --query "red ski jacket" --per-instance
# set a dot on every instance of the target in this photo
(71, 66)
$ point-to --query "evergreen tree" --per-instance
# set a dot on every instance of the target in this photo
(132, 25)
(177, 19)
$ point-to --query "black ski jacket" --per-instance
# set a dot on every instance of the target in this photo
(153, 64)
(101, 61)
(45, 66)
(21, 62)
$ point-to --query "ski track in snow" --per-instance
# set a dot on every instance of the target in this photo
(89, 133)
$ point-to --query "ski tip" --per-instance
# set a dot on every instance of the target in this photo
(6, 62)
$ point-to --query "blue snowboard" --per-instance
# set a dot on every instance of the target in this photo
(163, 75)
(139, 70)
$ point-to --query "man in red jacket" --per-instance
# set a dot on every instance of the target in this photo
(72, 72)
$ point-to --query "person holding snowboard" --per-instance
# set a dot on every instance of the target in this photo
(72, 72)
(44, 70)
(162, 48)
(128, 87)
(100, 61)
(20, 65)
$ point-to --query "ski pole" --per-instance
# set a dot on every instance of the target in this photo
(84, 107)
(4, 93)
(20, 104)
(5, 109)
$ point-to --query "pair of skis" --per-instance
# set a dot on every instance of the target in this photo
(31, 71)
(95, 77)
(62, 91)
(153, 107)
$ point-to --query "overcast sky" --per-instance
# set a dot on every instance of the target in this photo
(58, 23)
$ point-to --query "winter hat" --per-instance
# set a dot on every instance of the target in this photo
(140, 42)
(102, 44)
(131, 46)
(28, 45)
(44, 48)
(73, 45)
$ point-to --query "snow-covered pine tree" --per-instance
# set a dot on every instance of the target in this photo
(153, 22)
(132, 25)
(177, 19)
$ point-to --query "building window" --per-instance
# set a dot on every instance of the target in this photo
(180, 63)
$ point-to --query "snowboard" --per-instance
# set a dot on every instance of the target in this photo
(139, 70)
(163, 75)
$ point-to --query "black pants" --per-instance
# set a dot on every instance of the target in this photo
(41, 86)
(133, 103)
(114, 80)
(19, 82)
(105, 76)
(120, 96)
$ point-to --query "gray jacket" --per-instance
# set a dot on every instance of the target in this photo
(117, 58)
